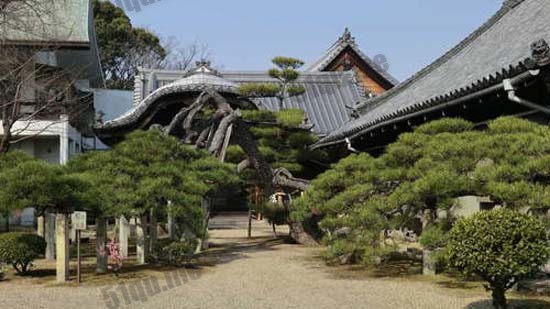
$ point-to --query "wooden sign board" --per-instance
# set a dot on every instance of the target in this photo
(78, 220)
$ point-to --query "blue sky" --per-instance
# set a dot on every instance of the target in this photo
(246, 34)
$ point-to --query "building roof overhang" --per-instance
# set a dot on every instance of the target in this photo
(475, 67)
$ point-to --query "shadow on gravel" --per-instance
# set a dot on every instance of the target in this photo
(231, 251)
(512, 304)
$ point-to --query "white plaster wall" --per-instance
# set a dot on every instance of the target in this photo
(49, 141)
(47, 149)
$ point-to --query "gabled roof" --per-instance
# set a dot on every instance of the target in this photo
(63, 22)
(497, 50)
(344, 42)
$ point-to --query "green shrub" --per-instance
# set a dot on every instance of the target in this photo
(512, 125)
(290, 117)
(180, 252)
(259, 116)
(445, 125)
(20, 249)
(501, 246)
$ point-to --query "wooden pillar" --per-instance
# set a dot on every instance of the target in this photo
(101, 241)
(49, 236)
(62, 248)
(123, 234)
(142, 244)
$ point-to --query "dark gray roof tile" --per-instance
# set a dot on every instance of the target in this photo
(497, 50)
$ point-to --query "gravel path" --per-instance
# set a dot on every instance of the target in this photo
(258, 273)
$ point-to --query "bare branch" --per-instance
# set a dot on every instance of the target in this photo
(180, 116)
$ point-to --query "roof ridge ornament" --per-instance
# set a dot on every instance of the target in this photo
(540, 52)
(347, 37)
(203, 67)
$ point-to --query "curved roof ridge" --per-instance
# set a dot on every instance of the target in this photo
(197, 81)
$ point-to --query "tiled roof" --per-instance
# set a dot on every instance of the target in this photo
(495, 51)
(326, 102)
(338, 47)
(325, 99)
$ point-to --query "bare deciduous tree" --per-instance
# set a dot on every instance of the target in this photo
(31, 89)
(182, 57)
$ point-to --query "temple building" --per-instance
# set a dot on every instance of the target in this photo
(502, 68)
(343, 79)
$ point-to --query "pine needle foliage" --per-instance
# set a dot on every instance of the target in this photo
(421, 175)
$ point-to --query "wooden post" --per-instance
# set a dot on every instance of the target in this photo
(250, 221)
(256, 203)
(78, 260)
(62, 248)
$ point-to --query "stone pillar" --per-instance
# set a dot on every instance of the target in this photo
(40, 226)
(62, 248)
(117, 227)
(133, 226)
(429, 265)
(101, 240)
(123, 234)
(171, 227)
(49, 236)
(142, 243)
